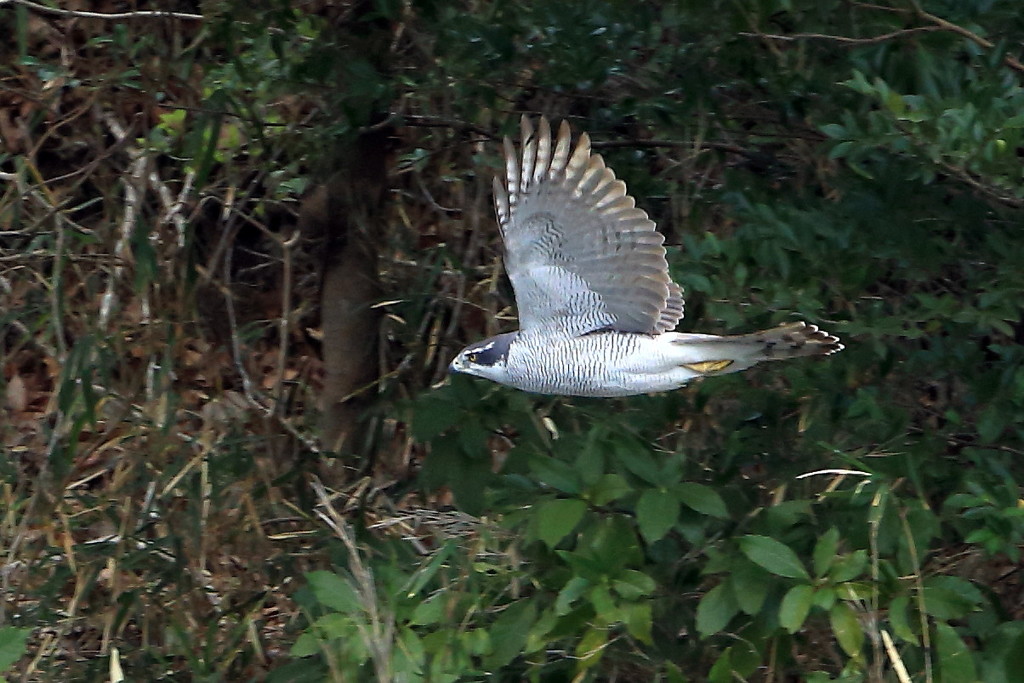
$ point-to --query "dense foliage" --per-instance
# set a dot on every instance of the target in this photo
(852, 164)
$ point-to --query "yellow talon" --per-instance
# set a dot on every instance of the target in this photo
(708, 366)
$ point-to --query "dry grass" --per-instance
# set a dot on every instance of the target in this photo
(156, 438)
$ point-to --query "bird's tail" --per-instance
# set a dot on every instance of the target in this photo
(741, 351)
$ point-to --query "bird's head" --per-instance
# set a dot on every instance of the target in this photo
(487, 359)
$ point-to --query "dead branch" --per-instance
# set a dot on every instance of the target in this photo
(139, 14)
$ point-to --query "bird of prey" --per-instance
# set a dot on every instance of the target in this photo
(596, 304)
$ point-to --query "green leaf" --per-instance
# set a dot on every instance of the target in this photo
(473, 439)
(305, 645)
(773, 555)
(608, 488)
(846, 628)
(638, 619)
(1003, 656)
(898, 619)
(737, 663)
(849, 567)
(12, 645)
(834, 130)
(590, 463)
(427, 571)
(605, 608)
(613, 543)
(721, 671)
(715, 610)
(956, 665)
(992, 423)
(750, 586)
(556, 473)
(570, 592)
(334, 591)
(825, 551)
(341, 628)
(468, 482)
(795, 607)
(656, 513)
(408, 657)
(949, 597)
(840, 150)
(591, 647)
(540, 632)
(429, 611)
(824, 598)
(554, 519)
(632, 584)
(643, 465)
(703, 499)
(509, 632)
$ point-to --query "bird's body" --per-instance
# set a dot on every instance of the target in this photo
(596, 303)
(602, 364)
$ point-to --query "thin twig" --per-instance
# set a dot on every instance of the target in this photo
(439, 122)
(132, 199)
(894, 657)
(846, 40)
(1011, 62)
(379, 634)
(941, 24)
(284, 324)
(140, 14)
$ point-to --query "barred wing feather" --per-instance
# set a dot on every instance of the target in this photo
(580, 255)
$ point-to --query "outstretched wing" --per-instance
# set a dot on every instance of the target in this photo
(580, 255)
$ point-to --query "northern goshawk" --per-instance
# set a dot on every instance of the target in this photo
(596, 304)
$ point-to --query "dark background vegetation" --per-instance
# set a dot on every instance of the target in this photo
(240, 242)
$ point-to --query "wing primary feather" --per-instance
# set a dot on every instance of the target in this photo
(512, 173)
(579, 161)
(594, 177)
(501, 203)
(616, 190)
(561, 155)
(529, 143)
(580, 254)
(543, 151)
(612, 206)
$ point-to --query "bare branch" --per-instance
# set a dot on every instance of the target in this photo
(140, 14)
(846, 40)
(1011, 62)
(944, 25)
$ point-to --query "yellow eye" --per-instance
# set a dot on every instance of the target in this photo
(471, 357)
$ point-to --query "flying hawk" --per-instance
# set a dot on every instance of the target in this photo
(596, 304)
